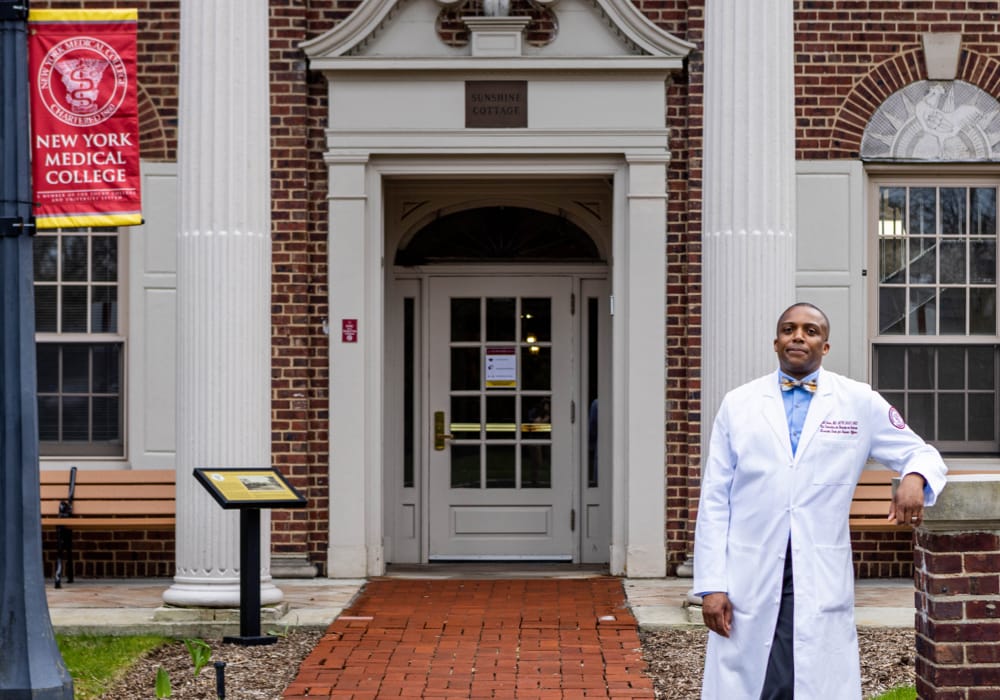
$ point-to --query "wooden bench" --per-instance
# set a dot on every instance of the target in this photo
(872, 498)
(104, 499)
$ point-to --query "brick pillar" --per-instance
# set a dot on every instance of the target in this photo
(957, 570)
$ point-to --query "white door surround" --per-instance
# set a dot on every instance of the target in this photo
(397, 112)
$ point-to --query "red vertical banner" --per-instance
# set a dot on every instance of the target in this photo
(84, 118)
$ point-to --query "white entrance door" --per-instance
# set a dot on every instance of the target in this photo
(500, 389)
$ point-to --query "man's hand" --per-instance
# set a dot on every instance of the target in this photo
(718, 613)
(908, 504)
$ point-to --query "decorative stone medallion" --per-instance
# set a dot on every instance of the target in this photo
(935, 120)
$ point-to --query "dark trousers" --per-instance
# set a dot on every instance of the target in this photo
(779, 682)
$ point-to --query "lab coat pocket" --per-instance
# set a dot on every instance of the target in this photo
(748, 579)
(831, 458)
(834, 578)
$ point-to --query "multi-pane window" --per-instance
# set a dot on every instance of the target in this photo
(935, 353)
(80, 346)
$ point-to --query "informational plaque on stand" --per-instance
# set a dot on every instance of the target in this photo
(248, 490)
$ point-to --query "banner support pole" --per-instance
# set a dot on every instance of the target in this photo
(31, 667)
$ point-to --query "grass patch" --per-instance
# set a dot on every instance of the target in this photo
(95, 662)
(908, 693)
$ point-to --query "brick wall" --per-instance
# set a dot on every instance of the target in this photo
(123, 554)
(883, 554)
(851, 56)
(958, 615)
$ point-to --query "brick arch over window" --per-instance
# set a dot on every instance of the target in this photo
(153, 142)
(892, 75)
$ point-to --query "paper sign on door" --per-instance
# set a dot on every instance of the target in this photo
(501, 368)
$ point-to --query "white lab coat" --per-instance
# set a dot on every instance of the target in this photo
(755, 493)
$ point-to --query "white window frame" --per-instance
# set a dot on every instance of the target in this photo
(943, 176)
(50, 451)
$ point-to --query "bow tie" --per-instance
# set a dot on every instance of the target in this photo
(789, 384)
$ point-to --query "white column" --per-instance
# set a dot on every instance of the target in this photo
(638, 529)
(748, 256)
(352, 554)
(223, 288)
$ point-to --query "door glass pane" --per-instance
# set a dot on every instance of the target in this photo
(501, 423)
(536, 466)
(536, 368)
(501, 319)
(501, 469)
(592, 384)
(536, 421)
(536, 320)
(465, 466)
(465, 368)
(409, 392)
(465, 320)
(465, 421)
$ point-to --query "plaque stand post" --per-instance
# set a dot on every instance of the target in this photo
(250, 582)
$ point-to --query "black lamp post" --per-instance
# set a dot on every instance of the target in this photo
(30, 664)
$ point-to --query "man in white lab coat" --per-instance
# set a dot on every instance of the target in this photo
(772, 556)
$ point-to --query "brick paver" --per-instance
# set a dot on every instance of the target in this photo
(535, 639)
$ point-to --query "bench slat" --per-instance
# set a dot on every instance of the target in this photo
(111, 523)
(109, 476)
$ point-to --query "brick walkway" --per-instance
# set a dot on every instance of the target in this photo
(528, 639)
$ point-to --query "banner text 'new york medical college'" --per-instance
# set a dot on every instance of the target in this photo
(84, 118)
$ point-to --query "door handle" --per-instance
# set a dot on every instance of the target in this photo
(439, 435)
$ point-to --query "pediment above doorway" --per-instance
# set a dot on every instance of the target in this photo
(415, 34)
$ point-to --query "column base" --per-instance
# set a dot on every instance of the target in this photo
(223, 594)
(686, 570)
